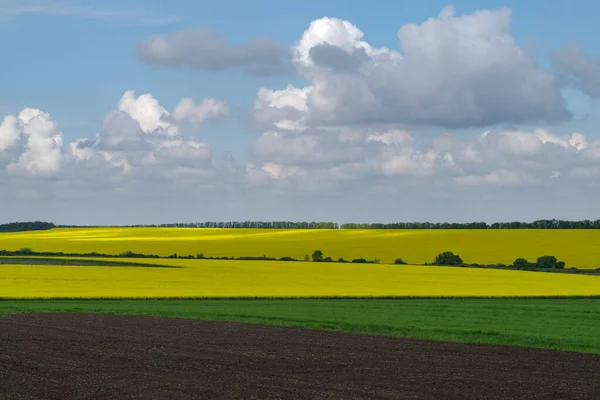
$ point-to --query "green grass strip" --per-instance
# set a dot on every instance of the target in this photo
(77, 262)
(562, 324)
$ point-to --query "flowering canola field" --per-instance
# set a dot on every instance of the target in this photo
(578, 248)
(217, 278)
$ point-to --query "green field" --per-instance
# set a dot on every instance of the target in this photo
(566, 324)
(578, 248)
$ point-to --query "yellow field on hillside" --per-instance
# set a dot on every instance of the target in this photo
(207, 278)
(578, 248)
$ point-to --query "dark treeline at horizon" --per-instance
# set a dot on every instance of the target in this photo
(538, 224)
(26, 226)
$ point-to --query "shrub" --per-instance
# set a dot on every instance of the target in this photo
(306, 257)
(317, 255)
(200, 256)
(341, 260)
(287, 259)
(448, 258)
(360, 261)
(547, 262)
(328, 259)
(560, 265)
(25, 250)
(399, 261)
(520, 263)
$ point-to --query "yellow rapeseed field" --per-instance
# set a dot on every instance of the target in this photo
(578, 248)
(207, 278)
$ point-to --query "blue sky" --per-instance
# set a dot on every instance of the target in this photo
(75, 67)
(75, 59)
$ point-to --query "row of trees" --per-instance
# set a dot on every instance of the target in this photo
(539, 224)
(544, 262)
(26, 226)
(317, 256)
(446, 258)
(231, 225)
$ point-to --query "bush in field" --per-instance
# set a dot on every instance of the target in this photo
(561, 265)
(317, 255)
(341, 260)
(547, 262)
(306, 257)
(520, 263)
(399, 261)
(448, 258)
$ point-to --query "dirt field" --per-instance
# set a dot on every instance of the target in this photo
(82, 356)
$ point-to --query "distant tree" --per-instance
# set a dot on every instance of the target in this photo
(399, 261)
(287, 259)
(200, 255)
(448, 258)
(520, 263)
(317, 255)
(25, 250)
(306, 257)
(547, 262)
(560, 265)
(341, 260)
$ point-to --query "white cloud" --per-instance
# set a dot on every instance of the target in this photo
(578, 141)
(141, 137)
(454, 71)
(9, 132)
(188, 110)
(147, 111)
(498, 177)
(337, 44)
(31, 143)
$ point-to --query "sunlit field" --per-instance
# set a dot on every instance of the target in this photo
(578, 248)
(218, 278)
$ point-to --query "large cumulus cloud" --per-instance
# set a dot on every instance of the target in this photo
(452, 71)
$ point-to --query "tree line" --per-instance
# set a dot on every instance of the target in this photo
(538, 224)
(228, 225)
(546, 263)
(26, 226)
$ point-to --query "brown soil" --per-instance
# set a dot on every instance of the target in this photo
(84, 356)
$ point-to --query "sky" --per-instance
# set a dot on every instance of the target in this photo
(143, 112)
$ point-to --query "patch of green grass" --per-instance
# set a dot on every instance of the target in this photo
(77, 262)
(562, 324)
